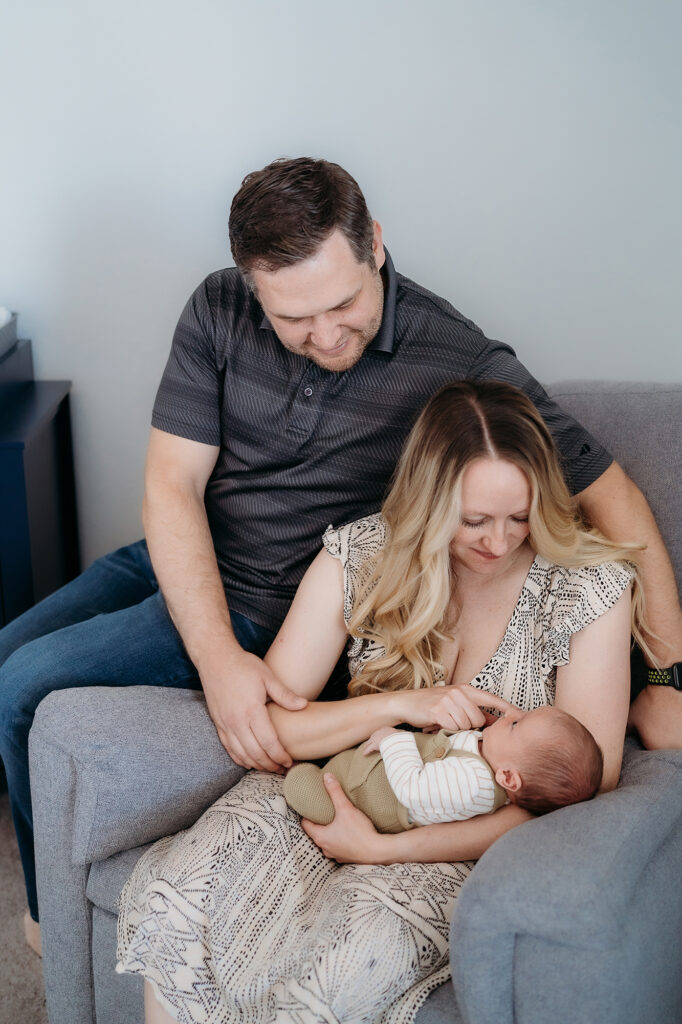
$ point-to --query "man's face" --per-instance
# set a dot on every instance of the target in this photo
(327, 308)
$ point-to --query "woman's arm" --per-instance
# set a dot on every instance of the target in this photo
(324, 728)
(618, 508)
(303, 656)
(313, 634)
(352, 839)
(595, 685)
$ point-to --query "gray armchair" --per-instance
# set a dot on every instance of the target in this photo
(573, 917)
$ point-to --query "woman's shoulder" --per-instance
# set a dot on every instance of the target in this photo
(355, 545)
(573, 597)
(606, 578)
(356, 541)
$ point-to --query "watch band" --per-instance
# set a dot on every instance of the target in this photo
(666, 676)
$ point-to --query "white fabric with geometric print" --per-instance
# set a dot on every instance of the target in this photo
(242, 920)
(554, 603)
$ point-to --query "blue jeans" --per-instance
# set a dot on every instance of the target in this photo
(108, 627)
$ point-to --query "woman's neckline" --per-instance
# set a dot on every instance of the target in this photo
(503, 640)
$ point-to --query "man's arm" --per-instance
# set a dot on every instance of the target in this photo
(237, 684)
(617, 507)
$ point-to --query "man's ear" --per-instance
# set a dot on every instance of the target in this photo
(509, 779)
(378, 245)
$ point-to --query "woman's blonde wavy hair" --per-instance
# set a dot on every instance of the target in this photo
(405, 603)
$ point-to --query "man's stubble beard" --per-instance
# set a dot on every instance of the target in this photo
(359, 339)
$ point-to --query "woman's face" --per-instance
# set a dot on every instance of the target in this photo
(496, 500)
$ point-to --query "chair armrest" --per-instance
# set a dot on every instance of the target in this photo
(575, 916)
(147, 762)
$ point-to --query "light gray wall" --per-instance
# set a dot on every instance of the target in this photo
(524, 158)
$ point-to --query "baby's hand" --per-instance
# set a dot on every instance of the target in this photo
(373, 743)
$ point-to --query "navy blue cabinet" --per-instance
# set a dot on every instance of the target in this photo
(38, 525)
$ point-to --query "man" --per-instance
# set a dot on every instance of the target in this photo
(291, 385)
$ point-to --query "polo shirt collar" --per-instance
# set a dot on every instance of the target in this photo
(386, 333)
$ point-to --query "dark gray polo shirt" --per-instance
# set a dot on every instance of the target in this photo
(302, 447)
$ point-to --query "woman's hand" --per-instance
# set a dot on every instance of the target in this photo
(451, 707)
(351, 837)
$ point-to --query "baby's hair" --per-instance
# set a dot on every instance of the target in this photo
(564, 771)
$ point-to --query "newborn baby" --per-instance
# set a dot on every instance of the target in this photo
(540, 760)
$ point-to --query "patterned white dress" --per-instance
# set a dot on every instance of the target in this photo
(242, 919)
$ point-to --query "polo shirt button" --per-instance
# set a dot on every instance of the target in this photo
(308, 392)
(439, 752)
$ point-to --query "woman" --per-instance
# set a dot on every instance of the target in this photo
(475, 587)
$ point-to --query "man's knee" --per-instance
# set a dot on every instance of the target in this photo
(12, 638)
(27, 676)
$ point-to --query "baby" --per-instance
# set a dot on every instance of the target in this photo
(540, 760)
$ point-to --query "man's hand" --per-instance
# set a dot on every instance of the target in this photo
(351, 838)
(236, 703)
(374, 742)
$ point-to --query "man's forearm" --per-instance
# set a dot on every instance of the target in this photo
(616, 506)
(181, 549)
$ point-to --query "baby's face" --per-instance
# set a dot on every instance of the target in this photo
(508, 740)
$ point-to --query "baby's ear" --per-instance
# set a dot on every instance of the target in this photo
(509, 779)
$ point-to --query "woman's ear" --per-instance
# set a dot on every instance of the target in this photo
(509, 779)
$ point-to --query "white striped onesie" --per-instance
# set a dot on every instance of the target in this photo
(449, 789)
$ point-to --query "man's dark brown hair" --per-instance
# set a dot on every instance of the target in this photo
(284, 213)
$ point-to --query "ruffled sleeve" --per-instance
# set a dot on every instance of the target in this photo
(355, 545)
(578, 597)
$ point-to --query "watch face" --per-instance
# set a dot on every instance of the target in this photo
(676, 672)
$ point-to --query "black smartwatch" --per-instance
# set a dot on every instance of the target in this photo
(666, 676)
